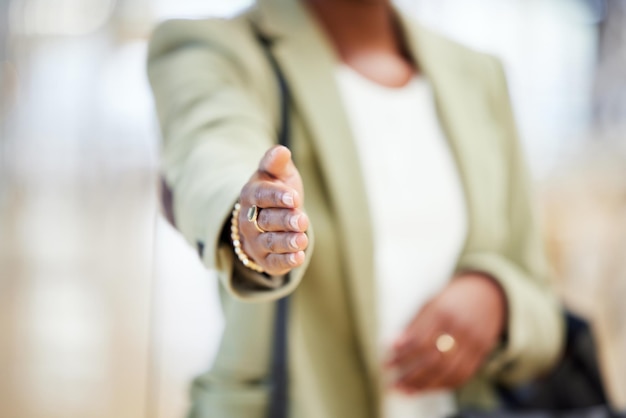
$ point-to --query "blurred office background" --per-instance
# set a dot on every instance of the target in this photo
(104, 310)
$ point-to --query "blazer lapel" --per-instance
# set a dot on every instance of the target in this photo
(308, 62)
(458, 99)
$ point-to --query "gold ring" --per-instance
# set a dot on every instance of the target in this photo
(445, 343)
(253, 215)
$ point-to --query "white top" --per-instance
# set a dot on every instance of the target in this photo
(417, 206)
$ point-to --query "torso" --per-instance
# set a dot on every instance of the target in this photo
(418, 210)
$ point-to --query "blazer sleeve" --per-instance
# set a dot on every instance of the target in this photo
(534, 334)
(215, 131)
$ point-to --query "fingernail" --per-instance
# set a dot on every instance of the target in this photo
(292, 259)
(295, 222)
(288, 199)
(293, 242)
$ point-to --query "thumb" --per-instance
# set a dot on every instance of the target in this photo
(277, 163)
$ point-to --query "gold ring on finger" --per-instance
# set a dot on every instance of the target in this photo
(445, 343)
(253, 215)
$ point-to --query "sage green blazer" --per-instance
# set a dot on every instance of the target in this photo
(217, 103)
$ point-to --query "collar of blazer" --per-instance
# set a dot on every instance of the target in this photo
(308, 59)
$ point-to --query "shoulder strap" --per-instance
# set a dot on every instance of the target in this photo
(279, 389)
(283, 133)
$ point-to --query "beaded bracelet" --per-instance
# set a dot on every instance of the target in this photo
(234, 236)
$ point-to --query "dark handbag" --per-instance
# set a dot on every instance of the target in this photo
(573, 389)
(593, 412)
(576, 382)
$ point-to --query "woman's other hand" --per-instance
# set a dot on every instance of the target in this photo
(276, 189)
(472, 311)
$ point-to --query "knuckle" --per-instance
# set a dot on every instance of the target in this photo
(271, 261)
(264, 218)
(259, 193)
(276, 197)
(446, 317)
(290, 241)
(286, 263)
(247, 248)
(276, 263)
(421, 345)
(270, 241)
(247, 192)
(471, 340)
(248, 236)
(242, 223)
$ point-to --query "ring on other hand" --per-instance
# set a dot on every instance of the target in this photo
(445, 343)
(253, 215)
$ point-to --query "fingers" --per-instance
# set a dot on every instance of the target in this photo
(471, 309)
(420, 372)
(268, 194)
(278, 264)
(454, 370)
(277, 163)
(276, 184)
(276, 190)
(282, 242)
(440, 370)
(418, 363)
(277, 220)
(417, 339)
(278, 250)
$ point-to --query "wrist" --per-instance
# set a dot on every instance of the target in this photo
(492, 294)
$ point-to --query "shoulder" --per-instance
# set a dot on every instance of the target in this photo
(477, 66)
(456, 55)
(203, 30)
(229, 37)
(467, 66)
(224, 49)
(469, 75)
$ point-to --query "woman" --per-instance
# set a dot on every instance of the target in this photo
(417, 278)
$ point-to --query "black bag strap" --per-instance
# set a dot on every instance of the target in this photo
(279, 390)
(283, 132)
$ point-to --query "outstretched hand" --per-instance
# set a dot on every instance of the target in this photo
(276, 189)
